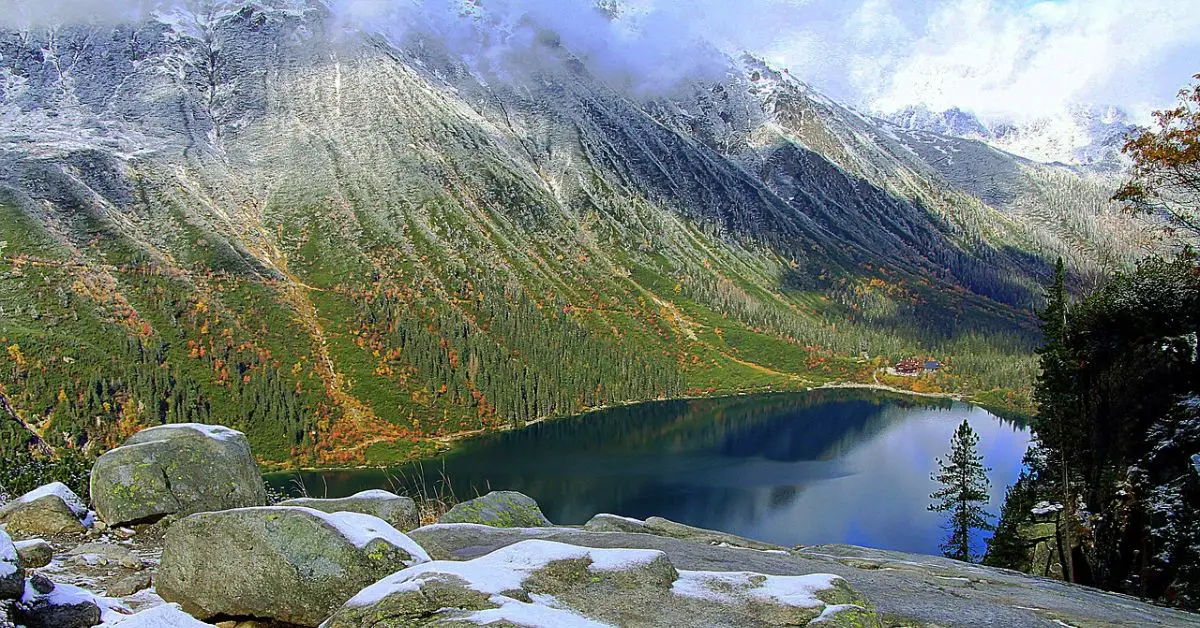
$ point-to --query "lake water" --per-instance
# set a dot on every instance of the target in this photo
(805, 468)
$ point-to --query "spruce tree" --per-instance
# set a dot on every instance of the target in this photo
(964, 491)
(1054, 393)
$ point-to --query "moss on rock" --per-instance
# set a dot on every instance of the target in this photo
(499, 509)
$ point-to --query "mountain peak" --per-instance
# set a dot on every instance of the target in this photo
(1089, 136)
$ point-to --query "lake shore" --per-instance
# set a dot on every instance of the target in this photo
(446, 443)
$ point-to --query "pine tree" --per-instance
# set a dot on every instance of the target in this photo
(1007, 548)
(964, 491)
(1054, 394)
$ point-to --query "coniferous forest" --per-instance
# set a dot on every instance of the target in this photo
(1118, 416)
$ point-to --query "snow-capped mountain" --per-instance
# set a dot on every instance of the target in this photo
(1086, 136)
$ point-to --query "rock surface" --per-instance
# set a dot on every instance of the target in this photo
(178, 469)
(12, 575)
(34, 553)
(45, 604)
(46, 510)
(665, 527)
(501, 509)
(102, 554)
(289, 564)
(399, 512)
(129, 585)
(907, 589)
(554, 584)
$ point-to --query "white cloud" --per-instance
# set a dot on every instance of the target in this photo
(1007, 58)
(1022, 58)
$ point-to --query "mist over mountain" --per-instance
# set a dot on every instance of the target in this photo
(1087, 136)
(351, 229)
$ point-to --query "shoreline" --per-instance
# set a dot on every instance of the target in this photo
(449, 441)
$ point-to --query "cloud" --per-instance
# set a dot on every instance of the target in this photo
(1007, 57)
(999, 58)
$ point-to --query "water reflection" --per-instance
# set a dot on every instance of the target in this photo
(820, 467)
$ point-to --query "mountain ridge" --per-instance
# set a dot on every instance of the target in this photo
(349, 247)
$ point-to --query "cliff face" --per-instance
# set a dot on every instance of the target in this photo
(345, 244)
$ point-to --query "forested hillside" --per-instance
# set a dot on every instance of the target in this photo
(1118, 393)
(352, 245)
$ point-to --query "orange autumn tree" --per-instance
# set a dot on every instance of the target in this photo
(1165, 179)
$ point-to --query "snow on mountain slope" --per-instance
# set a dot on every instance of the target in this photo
(1089, 137)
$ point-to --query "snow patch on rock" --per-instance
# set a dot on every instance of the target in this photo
(733, 586)
(164, 616)
(542, 613)
(215, 432)
(8, 555)
(504, 569)
(59, 490)
(69, 595)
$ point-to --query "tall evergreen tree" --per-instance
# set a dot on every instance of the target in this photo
(964, 491)
(1055, 397)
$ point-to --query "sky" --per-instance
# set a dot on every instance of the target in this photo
(1002, 59)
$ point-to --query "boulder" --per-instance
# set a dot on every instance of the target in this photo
(104, 554)
(128, 585)
(615, 523)
(499, 509)
(400, 512)
(178, 469)
(46, 604)
(543, 583)
(34, 553)
(12, 574)
(283, 563)
(50, 509)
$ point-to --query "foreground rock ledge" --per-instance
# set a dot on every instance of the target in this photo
(907, 589)
(290, 564)
(554, 584)
(178, 469)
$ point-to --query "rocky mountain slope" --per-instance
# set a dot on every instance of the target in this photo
(1089, 138)
(352, 243)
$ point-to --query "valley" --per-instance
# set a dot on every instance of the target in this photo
(353, 247)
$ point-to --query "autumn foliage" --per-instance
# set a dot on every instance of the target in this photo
(1165, 178)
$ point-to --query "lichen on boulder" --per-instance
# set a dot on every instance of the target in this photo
(499, 509)
(399, 511)
(178, 469)
(281, 563)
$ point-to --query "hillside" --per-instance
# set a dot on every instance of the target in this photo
(352, 246)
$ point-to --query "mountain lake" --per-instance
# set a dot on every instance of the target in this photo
(826, 466)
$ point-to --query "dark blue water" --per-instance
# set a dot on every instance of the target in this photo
(805, 468)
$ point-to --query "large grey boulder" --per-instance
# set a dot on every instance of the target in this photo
(47, 510)
(400, 512)
(178, 469)
(499, 509)
(12, 575)
(542, 583)
(283, 563)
